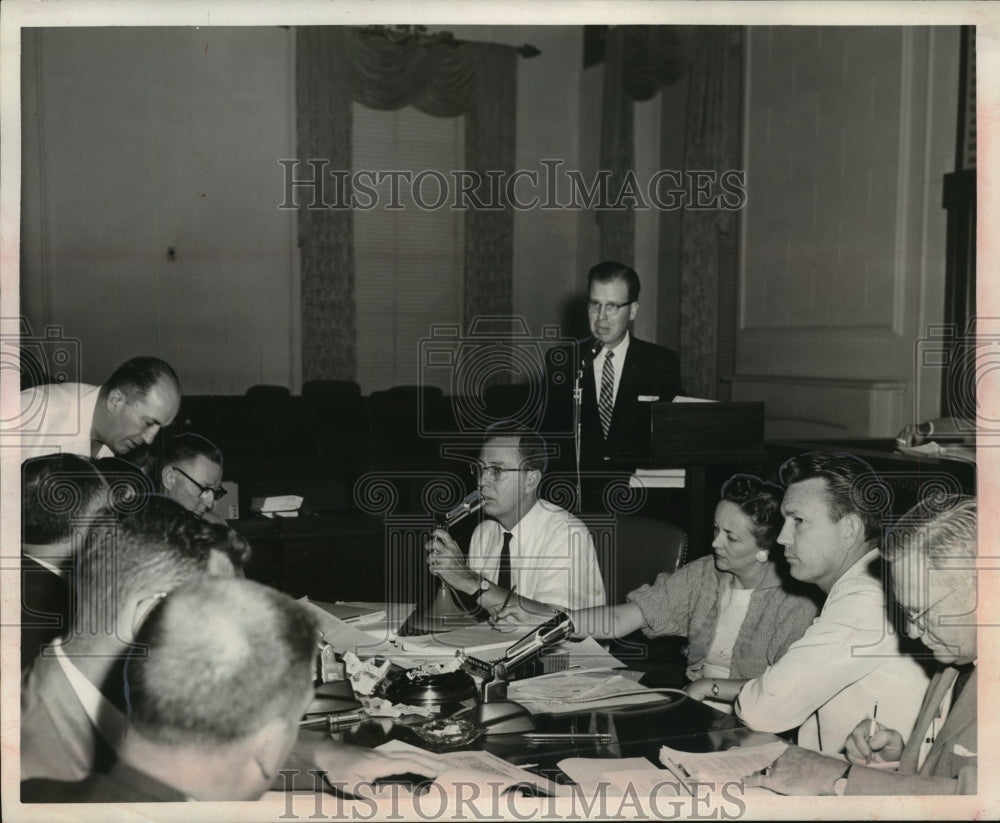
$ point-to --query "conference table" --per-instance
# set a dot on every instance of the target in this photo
(626, 731)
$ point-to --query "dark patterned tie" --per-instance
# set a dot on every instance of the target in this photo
(503, 575)
(606, 404)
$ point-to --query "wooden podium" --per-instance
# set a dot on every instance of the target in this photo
(692, 437)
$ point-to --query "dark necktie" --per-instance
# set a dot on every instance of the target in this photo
(606, 404)
(503, 575)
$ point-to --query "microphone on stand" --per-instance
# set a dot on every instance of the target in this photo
(445, 611)
(590, 352)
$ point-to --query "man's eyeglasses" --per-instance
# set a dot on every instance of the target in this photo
(918, 621)
(492, 473)
(203, 491)
(610, 309)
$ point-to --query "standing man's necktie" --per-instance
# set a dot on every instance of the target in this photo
(503, 576)
(606, 404)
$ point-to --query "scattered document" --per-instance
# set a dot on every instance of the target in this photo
(620, 776)
(731, 764)
(353, 612)
(575, 691)
(483, 768)
(345, 637)
(680, 398)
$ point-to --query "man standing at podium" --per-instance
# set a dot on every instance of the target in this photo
(622, 375)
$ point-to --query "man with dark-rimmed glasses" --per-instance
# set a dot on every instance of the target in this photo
(191, 474)
(527, 544)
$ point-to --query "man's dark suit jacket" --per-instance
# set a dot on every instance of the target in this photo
(45, 608)
(649, 371)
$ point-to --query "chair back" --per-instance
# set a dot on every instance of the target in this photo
(634, 549)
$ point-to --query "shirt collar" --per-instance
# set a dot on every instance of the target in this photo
(619, 350)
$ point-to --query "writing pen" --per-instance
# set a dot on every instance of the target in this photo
(872, 728)
(506, 600)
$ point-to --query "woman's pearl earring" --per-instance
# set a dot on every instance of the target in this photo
(762, 556)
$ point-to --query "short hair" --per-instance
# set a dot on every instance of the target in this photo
(532, 452)
(224, 657)
(609, 270)
(236, 548)
(188, 446)
(138, 375)
(760, 502)
(127, 483)
(56, 489)
(937, 531)
(852, 487)
(159, 546)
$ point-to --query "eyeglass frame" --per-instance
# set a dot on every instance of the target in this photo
(916, 621)
(495, 473)
(217, 493)
(610, 309)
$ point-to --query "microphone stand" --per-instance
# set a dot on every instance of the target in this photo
(595, 348)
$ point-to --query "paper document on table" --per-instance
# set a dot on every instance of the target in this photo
(589, 654)
(352, 612)
(731, 764)
(618, 776)
(344, 637)
(482, 641)
(482, 768)
(575, 691)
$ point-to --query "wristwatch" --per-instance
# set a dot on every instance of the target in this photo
(715, 687)
(840, 784)
(484, 586)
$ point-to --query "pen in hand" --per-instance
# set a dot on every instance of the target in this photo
(503, 606)
(872, 728)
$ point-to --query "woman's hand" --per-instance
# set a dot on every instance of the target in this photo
(521, 613)
(701, 689)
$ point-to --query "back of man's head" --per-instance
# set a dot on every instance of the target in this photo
(223, 657)
(609, 270)
(852, 487)
(57, 490)
(531, 448)
(135, 377)
(157, 547)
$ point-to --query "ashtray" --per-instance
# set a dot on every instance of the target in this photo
(448, 733)
(444, 690)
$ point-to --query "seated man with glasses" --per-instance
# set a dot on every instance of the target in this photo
(191, 474)
(932, 553)
(626, 374)
(527, 545)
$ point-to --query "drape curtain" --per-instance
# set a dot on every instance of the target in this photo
(336, 66)
(640, 61)
(711, 142)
